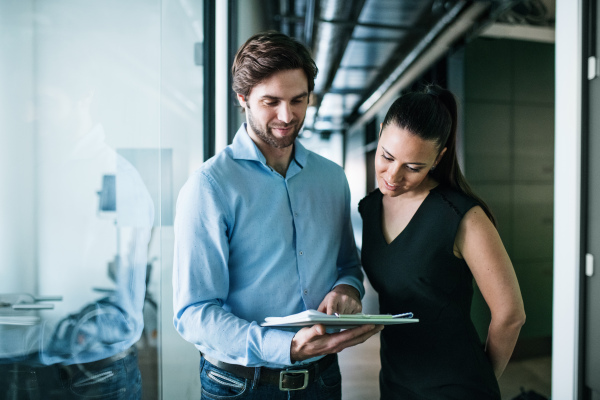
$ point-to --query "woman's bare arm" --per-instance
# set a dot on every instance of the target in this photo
(478, 242)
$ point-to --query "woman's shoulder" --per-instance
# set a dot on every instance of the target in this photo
(369, 201)
(455, 199)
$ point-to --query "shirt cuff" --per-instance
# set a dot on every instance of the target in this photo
(277, 346)
(352, 281)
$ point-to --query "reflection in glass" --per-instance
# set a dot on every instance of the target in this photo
(88, 194)
(86, 88)
(73, 330)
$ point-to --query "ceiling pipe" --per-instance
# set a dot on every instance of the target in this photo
(429, 51)
(284, 8)
(309, 22)
(447, 20)
(448, 30)
(331, 40)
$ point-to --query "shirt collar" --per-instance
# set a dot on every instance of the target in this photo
(243, 148)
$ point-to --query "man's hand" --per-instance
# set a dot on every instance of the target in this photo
(343, 299)
(314, 341)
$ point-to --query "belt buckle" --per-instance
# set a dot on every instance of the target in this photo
(283, 373)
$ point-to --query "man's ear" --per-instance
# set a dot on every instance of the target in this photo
(242, 100)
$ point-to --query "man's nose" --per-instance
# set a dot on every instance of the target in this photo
(284, 113)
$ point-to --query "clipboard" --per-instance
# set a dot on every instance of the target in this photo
(340, 321)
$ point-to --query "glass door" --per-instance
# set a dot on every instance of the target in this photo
(100, 125)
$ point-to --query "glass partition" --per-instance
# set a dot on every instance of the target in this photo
(100, 125)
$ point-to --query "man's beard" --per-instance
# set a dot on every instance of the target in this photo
(266, 135)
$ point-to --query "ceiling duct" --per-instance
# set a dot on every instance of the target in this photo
(335, 20)
(447, 20)
(365, 48)
(424, 55)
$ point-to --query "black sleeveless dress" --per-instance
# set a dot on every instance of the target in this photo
(440, 357)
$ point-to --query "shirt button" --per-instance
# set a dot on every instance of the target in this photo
(305, 291)
(301, 252)
(295, 214)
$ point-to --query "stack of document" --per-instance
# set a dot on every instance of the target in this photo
(341, 321)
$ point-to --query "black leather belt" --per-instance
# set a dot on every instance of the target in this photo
(292, 378)
(100, 364)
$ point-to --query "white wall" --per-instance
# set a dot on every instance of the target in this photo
(567, 196)
(17, 155)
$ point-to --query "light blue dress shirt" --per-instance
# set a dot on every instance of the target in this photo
(250, 244)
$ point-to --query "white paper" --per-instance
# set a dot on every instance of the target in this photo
(344, 321)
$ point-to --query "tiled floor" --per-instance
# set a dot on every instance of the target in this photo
(360, 379)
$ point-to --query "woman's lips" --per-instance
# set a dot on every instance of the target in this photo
(389, 186)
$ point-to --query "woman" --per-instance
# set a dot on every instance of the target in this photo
(425, 237)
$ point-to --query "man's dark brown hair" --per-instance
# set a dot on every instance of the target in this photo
(267, 53)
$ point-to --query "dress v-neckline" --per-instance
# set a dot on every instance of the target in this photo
(382, 235)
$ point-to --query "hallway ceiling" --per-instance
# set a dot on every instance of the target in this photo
(359, 44)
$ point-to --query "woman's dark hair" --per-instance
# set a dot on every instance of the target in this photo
(267, 53)
(432, 115)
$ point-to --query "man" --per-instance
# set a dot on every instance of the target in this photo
(263, 229)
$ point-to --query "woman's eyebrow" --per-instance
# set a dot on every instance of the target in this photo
(391, 156)
(387, 152)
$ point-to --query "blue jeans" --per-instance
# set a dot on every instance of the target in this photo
(218, 384)
(120, 380)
